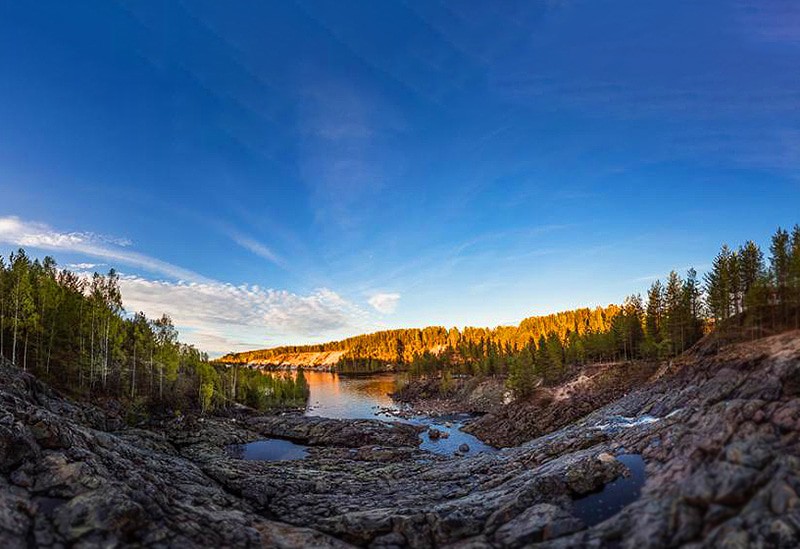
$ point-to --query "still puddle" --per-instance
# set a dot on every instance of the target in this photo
(595, 508)
(272, 449)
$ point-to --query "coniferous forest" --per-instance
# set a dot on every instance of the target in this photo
(72, 331)
(744, 295)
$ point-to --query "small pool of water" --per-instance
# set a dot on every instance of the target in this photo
(272, 449)
(595, 508)
(455, 437)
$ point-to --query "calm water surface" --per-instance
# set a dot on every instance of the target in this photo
(350, 397)
(595, 508)
(365, 397)
(272, 449)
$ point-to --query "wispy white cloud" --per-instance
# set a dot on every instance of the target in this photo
(216, 316)
(515, 235)
(30, 234)
(384, 303)
(342, 157)
(84, 266)
(223, 317)
(258, 248)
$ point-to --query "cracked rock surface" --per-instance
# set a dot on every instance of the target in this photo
(720, 446)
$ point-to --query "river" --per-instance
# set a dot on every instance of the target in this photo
(366, 397)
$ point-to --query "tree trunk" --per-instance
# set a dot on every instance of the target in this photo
(133, 374)
(16, 321)
(50, 344)
(152, 376)
(2, 327)
(41, 335)
(91, 356)
(80, 337)
(105, 357)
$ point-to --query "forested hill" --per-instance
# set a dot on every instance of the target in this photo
(742, 289)
(403, 345)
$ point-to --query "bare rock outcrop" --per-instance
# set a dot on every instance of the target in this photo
(718, 435)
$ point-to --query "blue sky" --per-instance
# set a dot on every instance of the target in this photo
(286, 172)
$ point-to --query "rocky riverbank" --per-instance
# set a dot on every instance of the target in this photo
(551, 408)
(465, 395)
(718, 433)
(501, 421)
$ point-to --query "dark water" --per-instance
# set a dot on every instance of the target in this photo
(269, 450)
(595, 508)
(366, 397)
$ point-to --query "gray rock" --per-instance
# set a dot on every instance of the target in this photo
(539, 522)
(721, 457)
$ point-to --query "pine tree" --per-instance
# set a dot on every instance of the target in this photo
(675, 313)
(734, 279)
(751, 266)
(693, 306)
(166, 354)
(522, 374)
(20, 296)
(2, 308)
(780, 262)
(654, 319)
(627, 327)
(718, 287)
(794, 274)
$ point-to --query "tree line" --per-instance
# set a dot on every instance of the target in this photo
(742, 293)
(402, 346)
(72, 331)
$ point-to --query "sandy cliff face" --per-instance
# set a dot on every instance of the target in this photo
(323, 360)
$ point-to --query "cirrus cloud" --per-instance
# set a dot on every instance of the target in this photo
(215, 316)
(31, 234)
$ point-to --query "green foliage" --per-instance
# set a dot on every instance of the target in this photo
(353, 365)
(71, 330)
(522, 374)
(403, 346)
(206, 396)
(540, 349)
(739, 282)
(446, 384)
(263, 390)
(718, 285)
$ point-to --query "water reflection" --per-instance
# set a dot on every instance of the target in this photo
(349, 397)
(268, 450)
(595, 508)
(367, 397)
